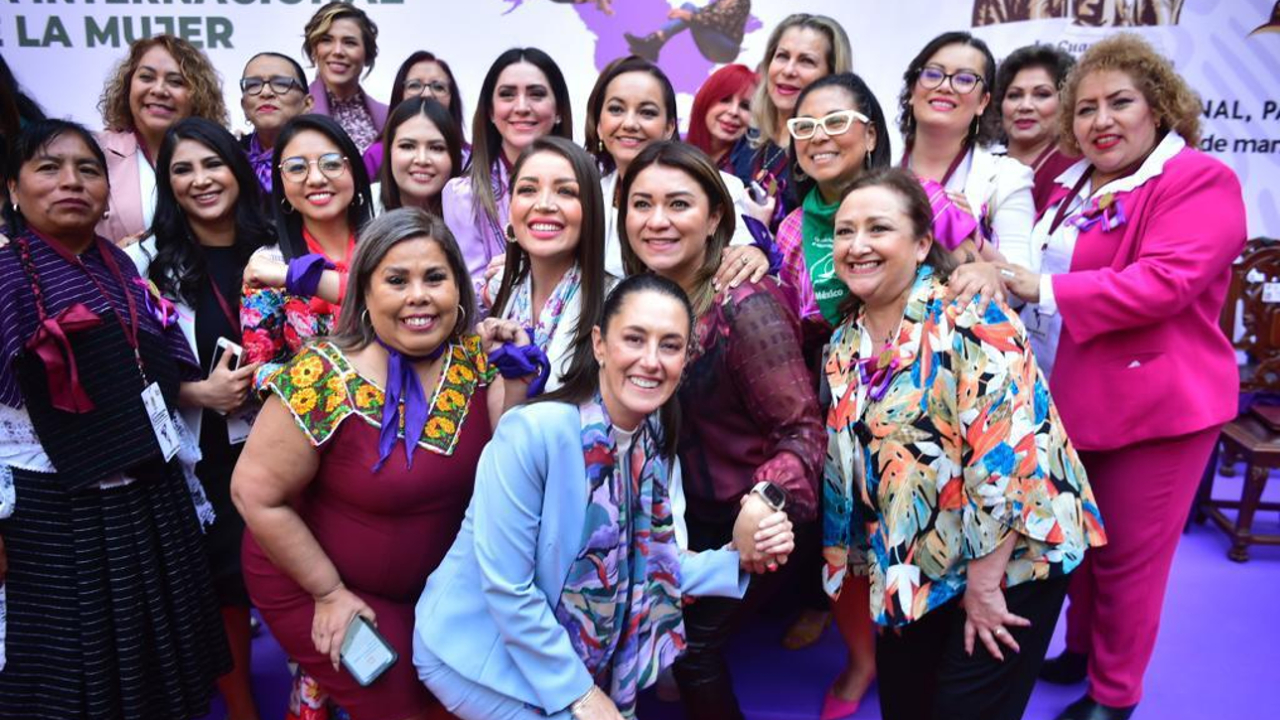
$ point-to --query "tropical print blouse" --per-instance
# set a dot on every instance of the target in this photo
(321, 388)
(963, 447)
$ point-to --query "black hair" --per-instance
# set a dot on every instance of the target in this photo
(864, 102)
(179, 266)
(439, 116)
(595, 103)
(34, 138)
(988, 123)
(582, 381)
(455, 95)
(16, 108)
(590, 251)
(1055, 61)
(298, 72)
(289, 224)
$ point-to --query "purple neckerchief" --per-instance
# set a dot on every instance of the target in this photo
(305, 271)
(518, 362)
(763, 240)
(404, 386)
(260, 159)
(1107, 210)
(951, 225)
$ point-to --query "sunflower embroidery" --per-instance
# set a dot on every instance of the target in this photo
(303, 401)
(367, 396)
(459, 374)
(306, 371)
(450, 400)
(439, 427)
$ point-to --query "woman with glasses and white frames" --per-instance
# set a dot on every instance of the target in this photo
(837, 135)
(293, 289)
(273, 91)
(422, 74)
(947, 120)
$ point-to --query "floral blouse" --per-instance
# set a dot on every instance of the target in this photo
(275, 324)
(963, 448)
(322, 388)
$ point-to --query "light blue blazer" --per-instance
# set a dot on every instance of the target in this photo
(488, 611)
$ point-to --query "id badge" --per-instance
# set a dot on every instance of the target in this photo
(365, 653)
(161, 423)
(239, 423)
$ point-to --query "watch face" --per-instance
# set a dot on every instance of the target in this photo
(774, 495)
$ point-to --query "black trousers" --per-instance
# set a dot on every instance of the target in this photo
(923, 672)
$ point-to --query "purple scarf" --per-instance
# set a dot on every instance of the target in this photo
(260, 159)
(404, 386)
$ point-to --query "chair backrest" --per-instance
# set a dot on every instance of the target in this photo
(1253, 304)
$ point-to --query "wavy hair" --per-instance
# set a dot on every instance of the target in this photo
(201, 77)
(325, 17)
(1173, 103)
(179, 266)
(764, 114)
(988, 122)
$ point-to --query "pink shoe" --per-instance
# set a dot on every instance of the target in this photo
(835, 708)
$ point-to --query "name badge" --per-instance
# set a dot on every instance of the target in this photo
(239, 423)
(161, 423)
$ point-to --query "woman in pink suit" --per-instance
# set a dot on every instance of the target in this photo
(1137, 243)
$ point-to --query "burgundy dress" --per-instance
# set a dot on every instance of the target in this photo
(385, 532)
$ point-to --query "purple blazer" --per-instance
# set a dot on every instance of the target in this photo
(319, 94)
(1141, 354)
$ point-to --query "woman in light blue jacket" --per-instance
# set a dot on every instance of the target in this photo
(561, 596)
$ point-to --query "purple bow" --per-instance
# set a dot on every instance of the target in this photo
(165, 312)
(876, 376)
(518, 362)
(1107, 210)
(260, 160)
(404, 386)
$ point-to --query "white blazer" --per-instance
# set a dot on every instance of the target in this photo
(998, 189)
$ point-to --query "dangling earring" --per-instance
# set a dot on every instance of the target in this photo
(510, 232)
(600, 146)
(359, 199)
(284, 205)
(866, 160)
(973, 131)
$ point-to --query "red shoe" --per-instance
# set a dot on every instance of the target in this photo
(835, 708)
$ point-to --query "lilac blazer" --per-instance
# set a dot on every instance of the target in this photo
(377, 110)
(124, 216)
(1141, 354)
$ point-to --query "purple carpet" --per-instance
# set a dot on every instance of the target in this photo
(1218, 655)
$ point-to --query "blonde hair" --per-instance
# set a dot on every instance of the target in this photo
(203, 80)
(323, 20)
(764, 114)
(1173, 103)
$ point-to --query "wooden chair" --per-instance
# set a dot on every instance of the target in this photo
(1253, 302)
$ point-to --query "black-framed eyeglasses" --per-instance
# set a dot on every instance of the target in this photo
(331, 165)
(837, 123)
(962, 81)
(417, 87)
(280, 84)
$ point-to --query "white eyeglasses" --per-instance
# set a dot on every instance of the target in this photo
(837, 123)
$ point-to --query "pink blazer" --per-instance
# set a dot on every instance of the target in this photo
(1141, 355)
(125, 205)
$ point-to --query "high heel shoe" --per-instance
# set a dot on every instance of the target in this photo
(837, 708)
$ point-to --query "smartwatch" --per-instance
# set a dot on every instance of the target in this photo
(773, 496)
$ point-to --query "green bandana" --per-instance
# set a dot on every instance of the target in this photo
(819, 231)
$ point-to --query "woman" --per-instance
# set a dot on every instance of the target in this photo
(750, 424)
(947, 120)
(423, 152)
(717, 30)
(1139, 244)
(631, 106)
(553, 274)
(948, 470)
(721, 113)
(519, 622)
(801, 49)
(424, 75)
(273, 91)
(162, 80)
(523, 97)
(342, 43)
(110, 612)
(334, 476)
(837, 135)
(208, 222)
(293, 289)
(1027, 98)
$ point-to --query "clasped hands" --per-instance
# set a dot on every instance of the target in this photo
(762, 536)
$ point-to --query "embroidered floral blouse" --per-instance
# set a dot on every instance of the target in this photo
(276, 324)
(963, 448)
(322, 389)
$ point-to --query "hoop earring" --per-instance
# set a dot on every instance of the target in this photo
(461, 323)
(286, 207)
(510, 233)
(359, 199)
(364, 319)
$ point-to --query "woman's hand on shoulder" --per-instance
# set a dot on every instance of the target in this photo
(334, 613)
(741, 263)
(979, 281)
(262, 271)
(1021, 282)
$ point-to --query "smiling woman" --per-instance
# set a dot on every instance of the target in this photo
(161, 81)
(342, 43)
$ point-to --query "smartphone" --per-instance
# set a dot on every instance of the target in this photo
(226, 346)
(365, 653)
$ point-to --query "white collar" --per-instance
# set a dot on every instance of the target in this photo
(1153, 166)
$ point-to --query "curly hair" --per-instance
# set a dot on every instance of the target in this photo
(988, 122)
(203, 80)
(1173, 103)
(324, 19)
